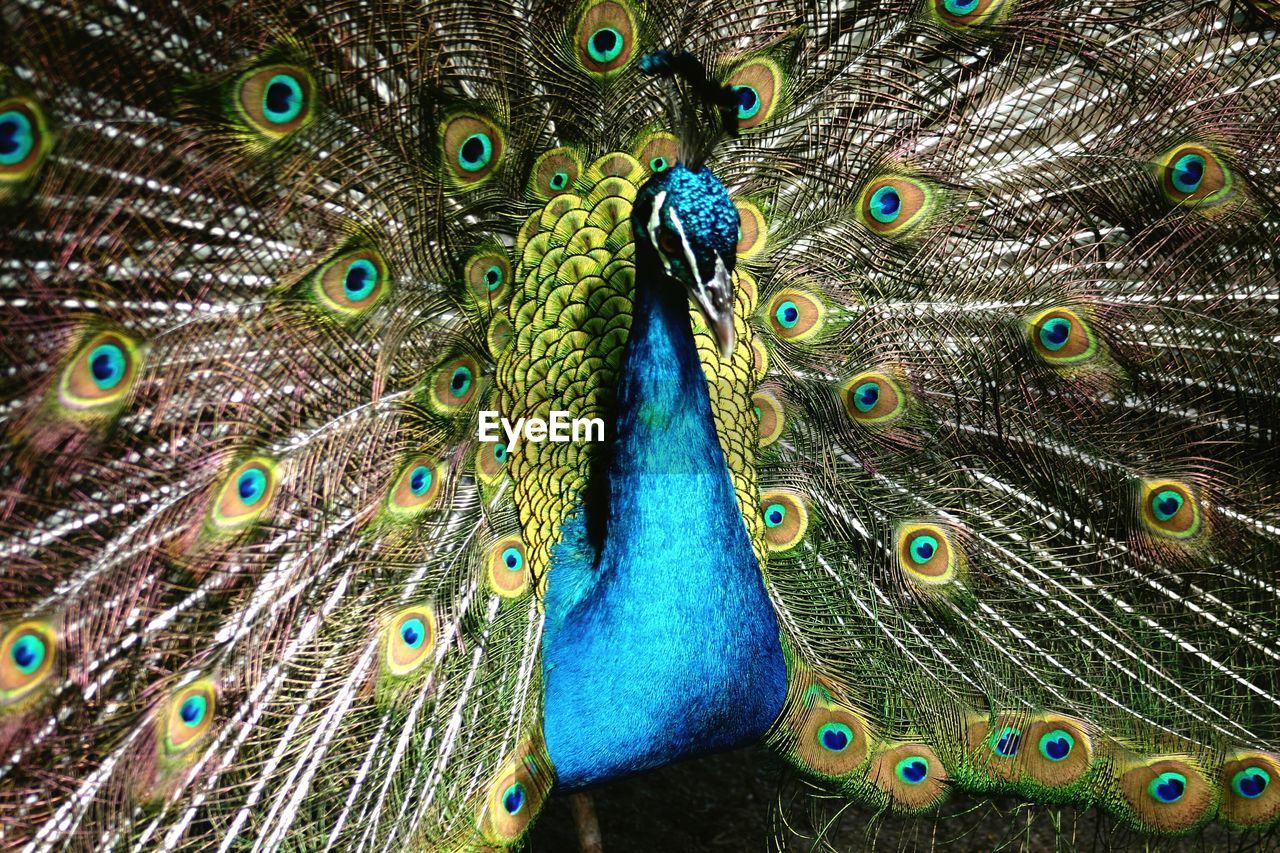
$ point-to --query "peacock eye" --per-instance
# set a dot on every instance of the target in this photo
(353, 282)
(758, 87)
(874, 399)
(277, 100)
(486, 274)
(475, 153)
(1168, 787)
(554, 172)
(795, 315)
(1170, 509)
(835, 737)
(894, 205)
(1194, 176)
(410, 638)
(472, 148)
(508, 574)
(967, 14)
(101, 374)
(1056, 745)
(491, 461)
(605, 45)
(926, 554)
(785, 519)
(1062, 337)
(913, 770)
(189, 717)
(454, 385)
(23, 139)
(605, 37)
(416, 488)
(245, 494)
(1251, 782)
(658, 151)
(460, 381)
(1006, 741)
(515, 796)
(27, 653)
(752, 229)
(748, 102)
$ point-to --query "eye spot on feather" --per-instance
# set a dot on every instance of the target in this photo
(1170, 510)
(101, 374)
(606, 37)
(416, 488)
(245, 495)
(657, 151)
(1251, 782)
(410, 638)
(1252, 799)
(1006, 741)
(187, 716)
(508, 573)
(832, 739)
(491, 461)
(795, 315)
(353, 282)
(1056, 745)
(927, 555)
(471, 147)
(758, 86)
(911, 775)
(769, 415)
(895, 205)
(968, 14)
(515, 797)
(487, 274)
(24, 139)
(785, 519)
(874, 399)
(276, 101)
(1194, 176)
(1167, 795)
(1167, 787)
(912, 770)
(1062, 338)
(27, 655)
(454, 386)
(748, 102)
(554, 172)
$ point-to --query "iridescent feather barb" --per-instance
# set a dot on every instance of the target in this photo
(988, 477)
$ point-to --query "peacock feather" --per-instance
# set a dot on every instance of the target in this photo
(934, 346)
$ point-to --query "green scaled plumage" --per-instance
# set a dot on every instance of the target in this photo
(1001, 419)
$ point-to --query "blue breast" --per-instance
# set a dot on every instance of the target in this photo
(661, 643)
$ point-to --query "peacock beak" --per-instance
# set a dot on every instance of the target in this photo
(714, 296)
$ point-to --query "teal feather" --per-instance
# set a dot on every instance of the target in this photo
(1004, 285)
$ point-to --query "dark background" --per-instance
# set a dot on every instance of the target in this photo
(747, 800)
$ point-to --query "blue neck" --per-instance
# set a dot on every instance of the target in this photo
(662, 643)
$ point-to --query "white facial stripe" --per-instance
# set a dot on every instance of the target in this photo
(655, 223)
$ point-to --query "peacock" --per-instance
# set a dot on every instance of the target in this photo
(928, 354)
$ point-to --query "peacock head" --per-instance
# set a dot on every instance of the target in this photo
(685, 220)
